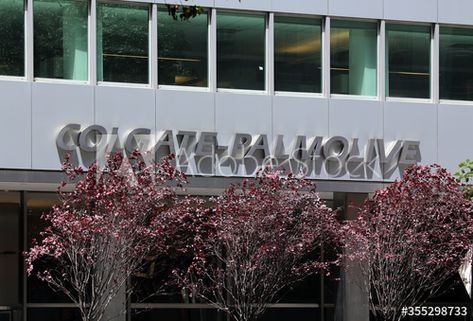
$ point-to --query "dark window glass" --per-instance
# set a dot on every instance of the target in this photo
(54, 314)
(408, 61)
(177, 315)
(60, 39)
(241, 51)
(353, 58)
(122, 43)
(297, 54)
(182, 50)
(10, 251)
(12, 52)
(285, 314)
(37, 204)
(456, 69)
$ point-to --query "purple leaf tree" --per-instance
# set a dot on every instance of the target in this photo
(256, 239)
(104, 229)
(410, 239)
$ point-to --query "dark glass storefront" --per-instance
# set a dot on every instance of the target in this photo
(318, 298)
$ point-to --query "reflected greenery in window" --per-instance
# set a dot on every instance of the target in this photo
(182, 50)
(456, 69)
(240, 51)
(122, 43)
(60, 39)
(297, 54)
(12, 53)
(353, 58)
(408, 61)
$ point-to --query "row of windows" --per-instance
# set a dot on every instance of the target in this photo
(123, 50)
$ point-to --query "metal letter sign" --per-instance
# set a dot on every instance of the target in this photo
(201, 153)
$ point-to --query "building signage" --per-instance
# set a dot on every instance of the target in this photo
(204, 153)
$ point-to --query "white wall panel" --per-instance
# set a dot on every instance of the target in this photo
(362, 119)
(243, 113)
(53, 106)
(203, 3)
(413, 121)
(125, 108)
(409, 10)
(362, 8)
(263, 5)
(15, 124)
(186, 110)
(455, 135)
(319, 7)
(456, 11)
(300, 116)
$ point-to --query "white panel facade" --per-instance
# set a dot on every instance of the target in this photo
(243, 113)
(361, 119)
(15, 124)
(456, 11)
(53, 106)
(186, 110)
(455, 143)
(413, 121)
(301, 6)
(408, 10)
(263, 5)
(125, 108)
(363, 8)
(203, 3)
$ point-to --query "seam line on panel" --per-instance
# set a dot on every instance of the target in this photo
(31, 125)
(437, 147)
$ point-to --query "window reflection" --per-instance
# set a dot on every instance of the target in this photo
(297, 54)
(122, 43)
(12, 53)
(10, 253)
(60, 39)
(408, 61)
(182, 50)
(240, 51)
(456, 70)
(353, 58)
(37, 204)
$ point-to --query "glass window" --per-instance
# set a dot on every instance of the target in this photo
(122, 43)
(37, 204)
(241, 51)
(60, 39)
(12, 52)
(182, 50)
(10, 249)
(456, 70)
(297, 54)
(54, 314)
(408, 61)
(353, 58)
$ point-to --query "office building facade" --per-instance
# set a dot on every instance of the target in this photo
(347, 93)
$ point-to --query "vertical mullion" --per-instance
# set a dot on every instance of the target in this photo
(92, 57)
(326, 58)
(212, 47)
(435, 74)
(153, 46)
(24, 227)
(382, 61)
(29, 41)
(270, 54)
